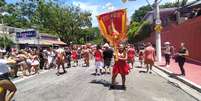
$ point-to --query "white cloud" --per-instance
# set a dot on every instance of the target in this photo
(109, 6)
(86, 6)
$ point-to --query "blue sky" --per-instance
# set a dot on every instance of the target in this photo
(97, 7)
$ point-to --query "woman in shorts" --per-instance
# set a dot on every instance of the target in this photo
(98, 54)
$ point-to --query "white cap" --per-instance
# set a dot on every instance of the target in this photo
(106, 45)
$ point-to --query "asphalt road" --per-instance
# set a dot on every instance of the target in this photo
(79, 84)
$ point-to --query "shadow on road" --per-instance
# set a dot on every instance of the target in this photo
(117, 87)
(142, 71)
(174, 75)
(162, 65)
(94, 74)
(101, 81)
(107, 84)
(138, 67)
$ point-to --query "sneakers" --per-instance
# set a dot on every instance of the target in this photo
(98, 74)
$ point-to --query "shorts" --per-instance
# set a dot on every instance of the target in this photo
(149, 61)
(35, 62)
(107, 62)
(29, 61)
(99, 64)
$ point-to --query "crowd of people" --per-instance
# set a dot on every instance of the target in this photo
(31, 60)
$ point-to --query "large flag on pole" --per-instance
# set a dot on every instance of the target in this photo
(113, 26)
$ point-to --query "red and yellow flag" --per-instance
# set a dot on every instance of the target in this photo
(113, 26)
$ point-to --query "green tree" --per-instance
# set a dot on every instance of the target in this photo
(68, 22)
(2, 3)
(92, 35)
(20, 13)
(5, 40)
(140, 13)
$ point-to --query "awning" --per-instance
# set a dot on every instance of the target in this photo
(44, 42)
(56, 42)
(41, 42)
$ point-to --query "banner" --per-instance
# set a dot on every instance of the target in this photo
(113, 26)
(26, 34)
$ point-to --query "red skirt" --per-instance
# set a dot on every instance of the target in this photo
(121, 67)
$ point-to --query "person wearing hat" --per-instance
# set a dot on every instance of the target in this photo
(107, 57)
(167, 53)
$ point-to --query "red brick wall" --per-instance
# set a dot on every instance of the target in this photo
(188, 32)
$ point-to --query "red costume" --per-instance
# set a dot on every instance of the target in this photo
(121, 66)
(74, 55)
(98, 55)
(141, 55)
(131, 54)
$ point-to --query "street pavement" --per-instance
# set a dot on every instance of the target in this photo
(192, 70)
(79, 84)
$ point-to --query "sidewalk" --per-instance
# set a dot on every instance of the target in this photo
(193, 72)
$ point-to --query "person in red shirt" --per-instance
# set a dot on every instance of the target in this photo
(149, 57)
(141, 57)
(131, 55)
(120, 67)
(98, 54)
(74, 57)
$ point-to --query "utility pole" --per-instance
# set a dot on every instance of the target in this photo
(158, 29)
(38, 38)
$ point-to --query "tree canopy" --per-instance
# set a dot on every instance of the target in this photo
(48, 16)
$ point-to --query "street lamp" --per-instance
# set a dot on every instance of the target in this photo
(157, 26)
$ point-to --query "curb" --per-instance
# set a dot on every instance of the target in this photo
(25, 78)
(182, 79)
